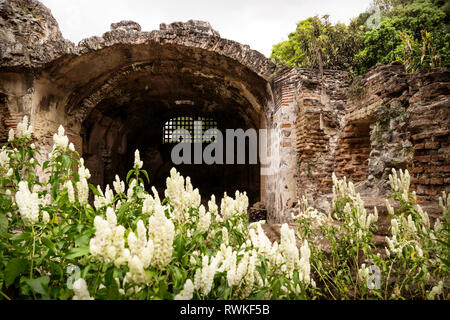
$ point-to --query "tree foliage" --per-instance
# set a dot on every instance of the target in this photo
(338, 44)
(414, 32)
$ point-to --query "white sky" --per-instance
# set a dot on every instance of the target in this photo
(258, 23)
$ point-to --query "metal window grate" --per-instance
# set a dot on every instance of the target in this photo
(196, 131)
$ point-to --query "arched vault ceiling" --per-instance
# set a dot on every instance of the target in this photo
(180, 61)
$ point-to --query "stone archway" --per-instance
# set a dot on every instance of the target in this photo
(115, 94)
(85, 88)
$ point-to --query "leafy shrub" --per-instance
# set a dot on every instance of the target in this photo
(338, 45)
(414, 32)
(414, 263)
(132, 245)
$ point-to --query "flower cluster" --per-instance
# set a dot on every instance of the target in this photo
(259, 239)
(204, 220)
(24, 131)
(444, 203)
(244, 271)
(400, 184)
(359, 221)
(141, 253)
(286, 256)
(81, 290)
(119, 186)
(182, 195)
(230, 207)
(204, 277)
(152, 203)
(5, 169)
(161, 233)
(60, 142)
(137, 160)
(436, 291)
(104, 199)
(28, 203)
(351, 208)
(407, 229)
(290, 252)
(315, 217)
(108, 245)
(70, 191)
(342, 190)
(188, 291)
(4, 159)
(82, 184)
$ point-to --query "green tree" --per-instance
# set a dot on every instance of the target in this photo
(318, 42)
(415, 32)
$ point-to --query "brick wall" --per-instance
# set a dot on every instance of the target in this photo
(321, 106)
(280, 185)
(384, 119)
(429, 124)
(353, 150)
(397, 120)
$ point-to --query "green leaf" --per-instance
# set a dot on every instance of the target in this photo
(94, 190)
(109, 276)
(77, 252)
(85, 271)
(13, 269)
(276, 287)
(296, 278)
(49, 244)
(179, 247)
(152, 273)
(113, 291)
(177, 276)
(45, 165)
(162, 289)
(122, 211)
(21, 236)
(82, 241)
(3, 225)
(40, 286)
(129, 175)
(146, 175)
(66, 160)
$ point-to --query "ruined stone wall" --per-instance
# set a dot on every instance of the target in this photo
(360, 128)
(280, 193)
(364, 128)
(321, 105)
(309, 114)
(397, 120)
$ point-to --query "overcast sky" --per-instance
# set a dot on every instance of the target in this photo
(258, 23)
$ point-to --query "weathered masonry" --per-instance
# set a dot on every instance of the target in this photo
(124, 90)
